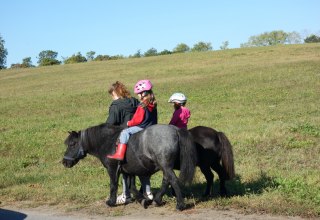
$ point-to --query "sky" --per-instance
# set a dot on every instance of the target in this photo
(122, 27)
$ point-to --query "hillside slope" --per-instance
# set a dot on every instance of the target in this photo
(266, 100)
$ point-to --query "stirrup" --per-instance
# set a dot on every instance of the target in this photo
(122, 199)
(148, 195)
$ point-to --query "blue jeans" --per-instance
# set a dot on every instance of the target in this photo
(125, 134)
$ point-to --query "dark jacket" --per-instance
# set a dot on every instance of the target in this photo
(122, 110)
(144, 116)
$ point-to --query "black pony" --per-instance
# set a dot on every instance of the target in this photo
(212, 147)
(153, 149)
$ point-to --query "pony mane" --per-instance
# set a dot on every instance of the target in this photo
(99, 134)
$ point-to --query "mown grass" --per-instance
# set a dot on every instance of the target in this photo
(266, 100)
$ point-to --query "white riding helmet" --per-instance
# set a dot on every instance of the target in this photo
(178, 97)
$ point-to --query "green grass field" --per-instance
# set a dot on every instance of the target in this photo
(266, 100)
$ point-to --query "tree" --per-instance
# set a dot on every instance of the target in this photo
(26, 63)
(224, 45)
(107, 57)
(117, 57)
(15, 65)
(312, 39)
(181, 48)
(75, 58)
(102, 58)
(268, 39)
(201, 46)
(136, 55)
(151, 52)
(90, 55)
(277, 37)
(165, 52)
(272, 38)
(47, 58)
(293, 38)
(3, 54)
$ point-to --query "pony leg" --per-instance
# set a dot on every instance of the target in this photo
(137, 195)
(113, 193)
(222, 178)
(206, 170)
(114, 180)
(126, 185)
(173, 180)
(132, 184)
(158, 197)
(146, 188)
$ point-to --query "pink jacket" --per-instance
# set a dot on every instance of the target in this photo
(180, 117)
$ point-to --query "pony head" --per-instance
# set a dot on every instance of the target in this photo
(75, 151)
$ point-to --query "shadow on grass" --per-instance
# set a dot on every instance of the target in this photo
(257, 186)
(234, 187)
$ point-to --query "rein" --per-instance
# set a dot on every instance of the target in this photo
(81, 154)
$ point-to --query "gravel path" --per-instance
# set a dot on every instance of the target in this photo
(132, 212)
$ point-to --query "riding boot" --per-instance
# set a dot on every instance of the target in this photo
(120, 152)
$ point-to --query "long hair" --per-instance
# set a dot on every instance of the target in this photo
(150, 98)
(120, 89)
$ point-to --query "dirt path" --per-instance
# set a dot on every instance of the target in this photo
(131, 211)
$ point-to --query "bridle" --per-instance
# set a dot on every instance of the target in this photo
(81, 153)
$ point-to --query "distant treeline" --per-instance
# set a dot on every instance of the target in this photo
(49, 57)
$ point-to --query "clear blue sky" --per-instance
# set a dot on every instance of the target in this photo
(123, 27)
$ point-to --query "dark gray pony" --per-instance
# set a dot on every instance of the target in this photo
(153, 149)
(214, 152)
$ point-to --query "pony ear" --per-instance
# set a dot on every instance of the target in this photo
(74, 133)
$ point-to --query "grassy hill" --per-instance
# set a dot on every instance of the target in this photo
(266, 100)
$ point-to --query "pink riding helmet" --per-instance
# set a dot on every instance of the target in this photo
(142, 85)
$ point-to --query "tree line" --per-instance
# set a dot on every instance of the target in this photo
(49, 57)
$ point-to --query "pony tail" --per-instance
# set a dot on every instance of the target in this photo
(188, 156)
(226, 156)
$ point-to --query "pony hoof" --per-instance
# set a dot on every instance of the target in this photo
(223, 194)
(158, 203)
(181, 207)
(206, 195)
(144, 203)
(110, 204)
(129, 200)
